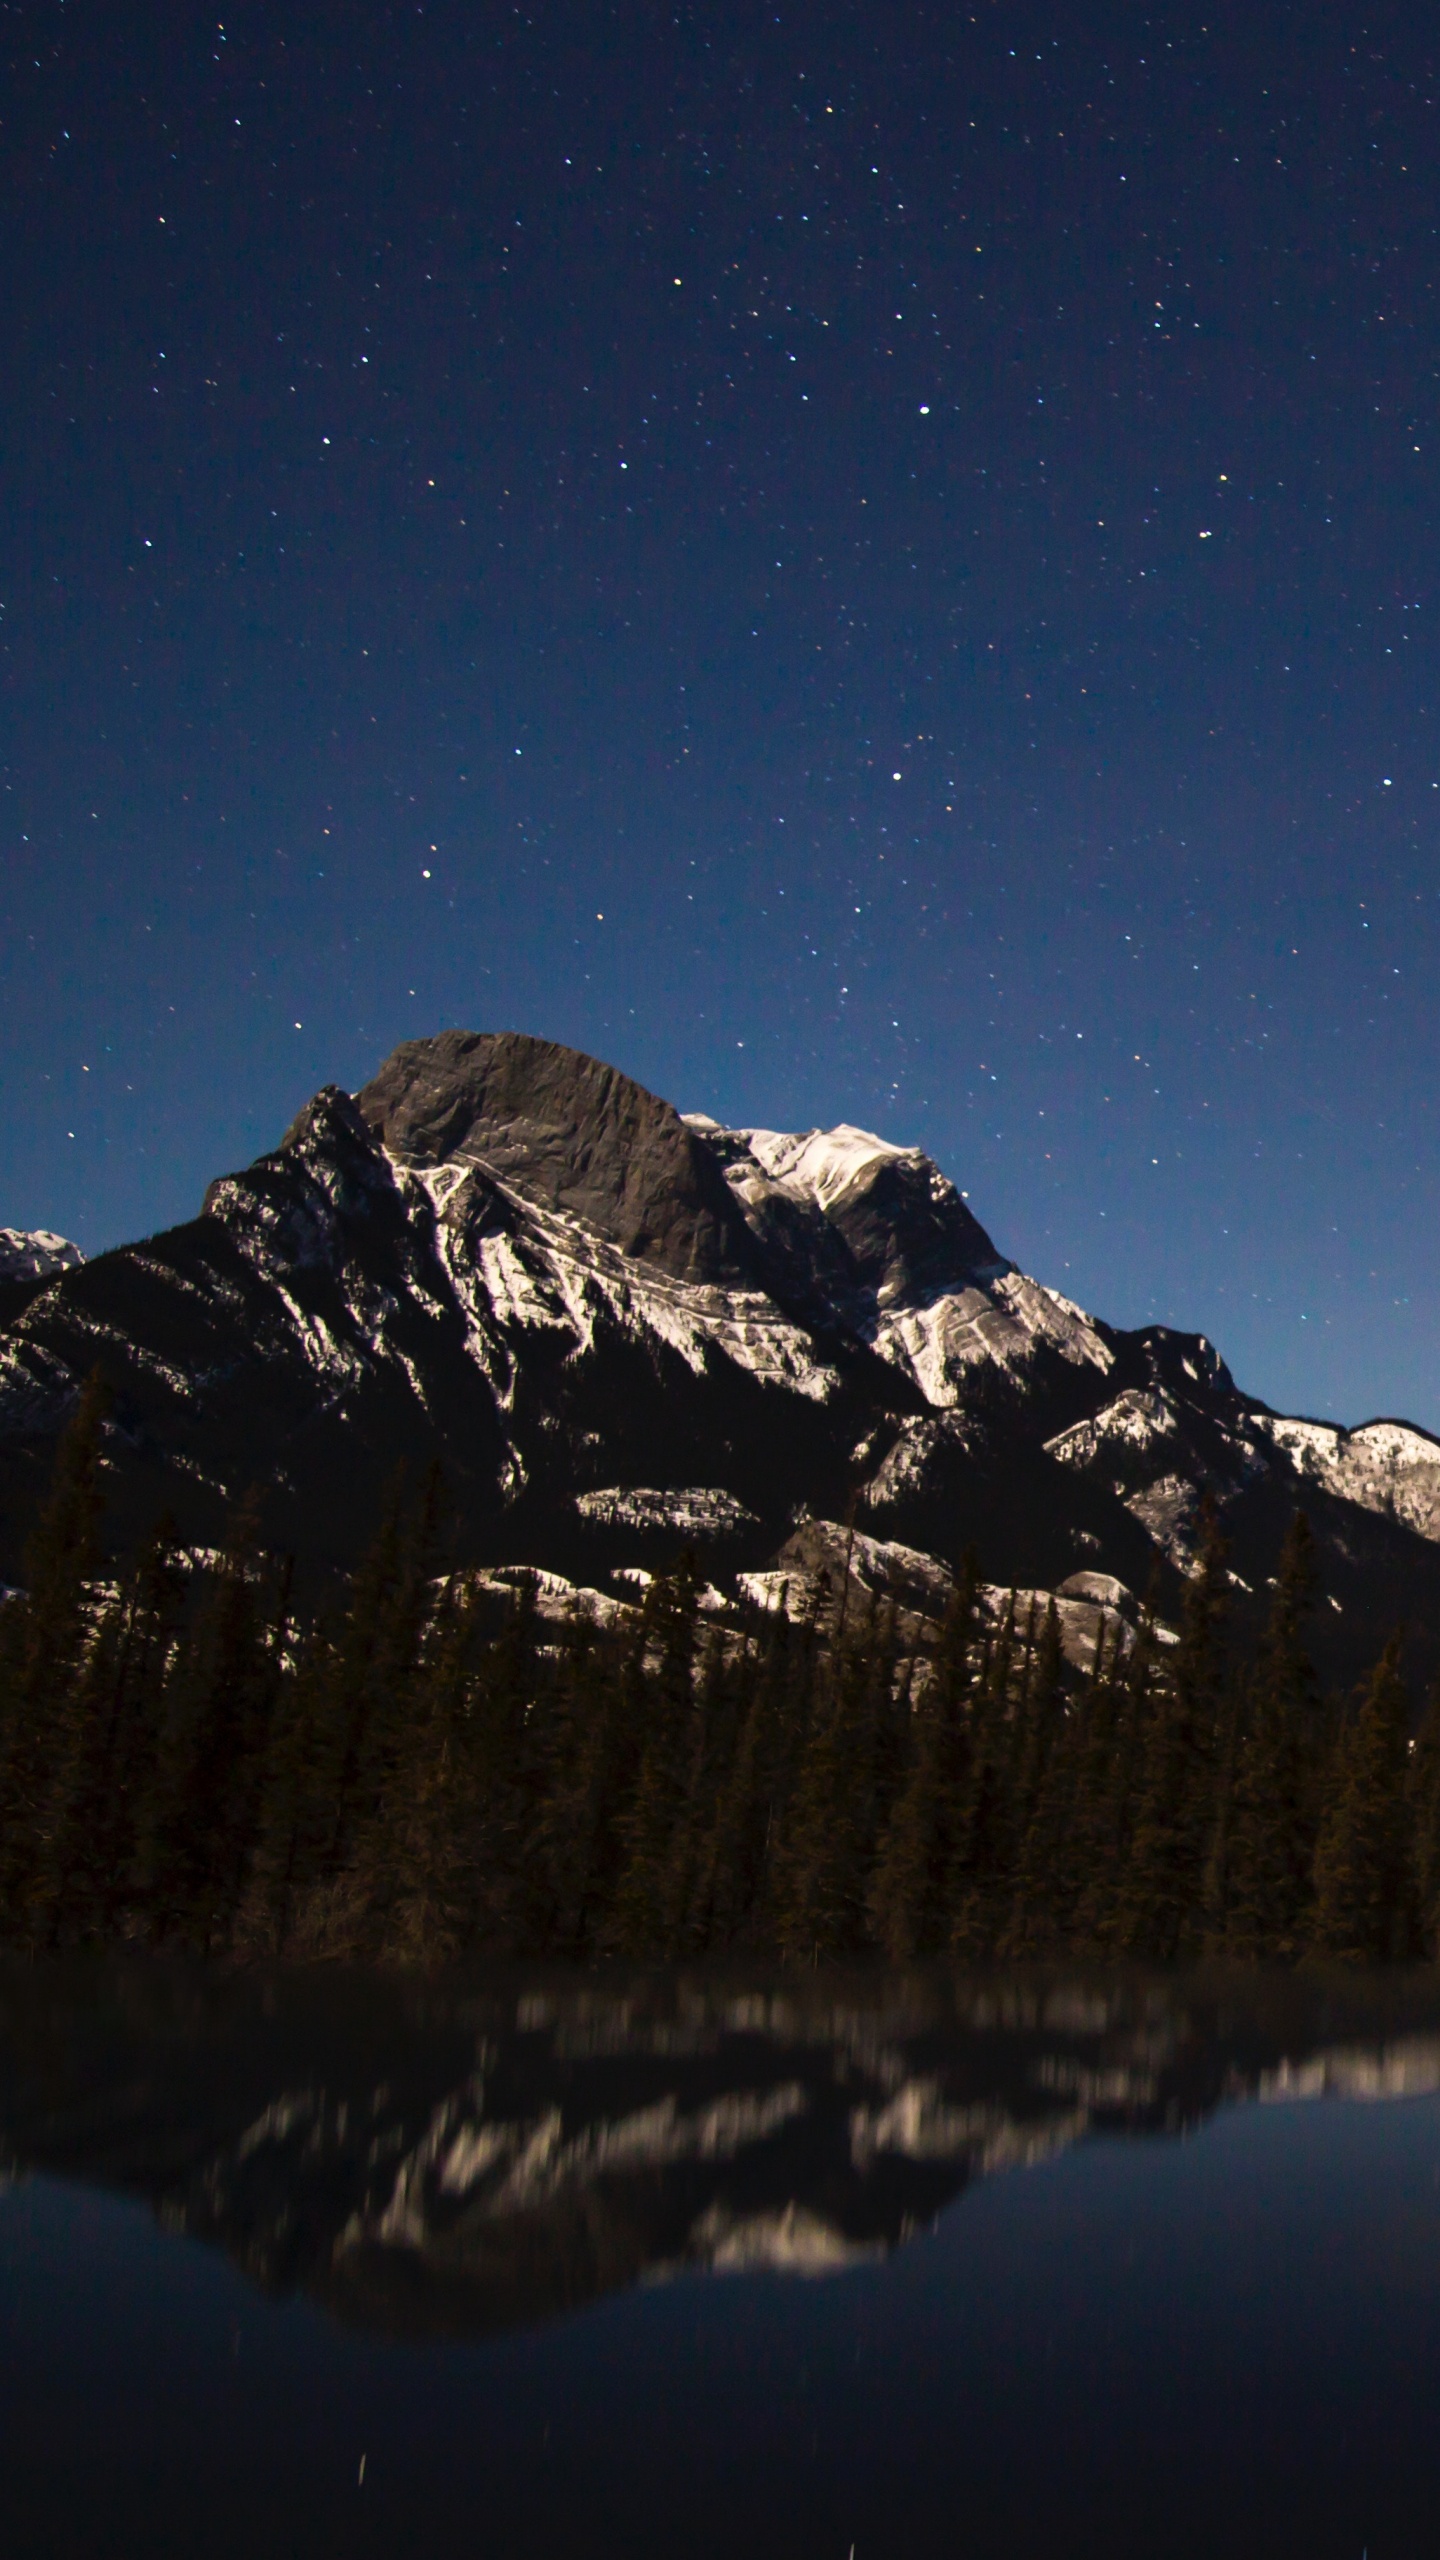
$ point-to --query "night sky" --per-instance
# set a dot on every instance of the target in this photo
(863, 561)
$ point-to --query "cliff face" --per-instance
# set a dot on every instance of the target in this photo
(566, 1134)
(609, 1323)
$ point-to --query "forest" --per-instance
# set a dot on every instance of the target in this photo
(187, 1760)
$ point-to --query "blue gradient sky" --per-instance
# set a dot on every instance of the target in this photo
(863, 563)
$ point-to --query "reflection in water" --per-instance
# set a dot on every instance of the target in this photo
(490, 2154)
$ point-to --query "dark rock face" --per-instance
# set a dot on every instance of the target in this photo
(890, 1233)
(810, 1265)
(569, 1134)
(910, 1234)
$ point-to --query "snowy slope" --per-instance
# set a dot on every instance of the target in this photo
(899, 1258)
(34, 1253)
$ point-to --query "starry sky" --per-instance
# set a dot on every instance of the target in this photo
(862, 561)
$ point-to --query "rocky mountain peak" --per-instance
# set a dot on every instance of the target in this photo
(880, 1217)
(570, 1134)
(35, 1254)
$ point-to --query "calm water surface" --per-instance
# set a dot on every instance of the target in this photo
(686, 2264)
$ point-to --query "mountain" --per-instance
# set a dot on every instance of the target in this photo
(35, 1255)
(616, 1326)
(28, 1258)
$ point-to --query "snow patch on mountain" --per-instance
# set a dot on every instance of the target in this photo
(1169, 1511)
(556, 1601)
(880, 1565)
(692, 1512)
(913, 1469)
(1139, 1420)
(1007, 1321)
(820, 1165)
(34, 1253)
(548, 1270)
(1388, 1467)
(940, 1302)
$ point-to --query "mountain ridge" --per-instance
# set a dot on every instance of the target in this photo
(512, 1258)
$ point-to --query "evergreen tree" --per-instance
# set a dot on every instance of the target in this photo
(1105, 1750)
(1424, 1794)
(431, 1822)
(203, 1818)
(174, 1757)
(86, 1882)
(296, 1822)
(979, 1886)
(1364, 1863)
(508, 1742)
(834, 1813)
(1036, 1721)
(575, 1829)
(47, 1633)
(910, 1908)
(649, 1899)
(1160, 1909)
(1044, 1800)
(739, 1879)
(721, 1694)
(1272, 1821)
(391, 1600)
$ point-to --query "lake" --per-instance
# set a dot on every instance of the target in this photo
(631, 2263)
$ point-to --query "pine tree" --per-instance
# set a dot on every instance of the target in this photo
(575, 1826)
(1364, 1863)
(1161, 1897)
(391, 1600)
(435, 1898)
(648, 1898)
(910, 1887)
(738, 1885)
(335, 1734)
(1424, 1793)
(834, 1817)
(295, 1824)
(506, 1755)
(1272, 1825)
(105, 1742)
(47, 1634)
(1044, 1799)
(1110, 1726)
(979, 1888)
(204, 1816)
(1036, 1714)
(722, 1691)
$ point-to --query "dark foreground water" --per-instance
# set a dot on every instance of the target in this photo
(1052, 2264)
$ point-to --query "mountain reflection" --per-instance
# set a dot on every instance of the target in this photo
(490, 2154)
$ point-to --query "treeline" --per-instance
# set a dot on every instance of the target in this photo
(183, 1763)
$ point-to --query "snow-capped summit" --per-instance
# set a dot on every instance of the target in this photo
(34, 1253)
(822, 1164)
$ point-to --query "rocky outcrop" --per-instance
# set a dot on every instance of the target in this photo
(569, 1134)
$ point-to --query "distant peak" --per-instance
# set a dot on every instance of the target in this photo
(821, 1164)
(33, 1253)
(907, 1233)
